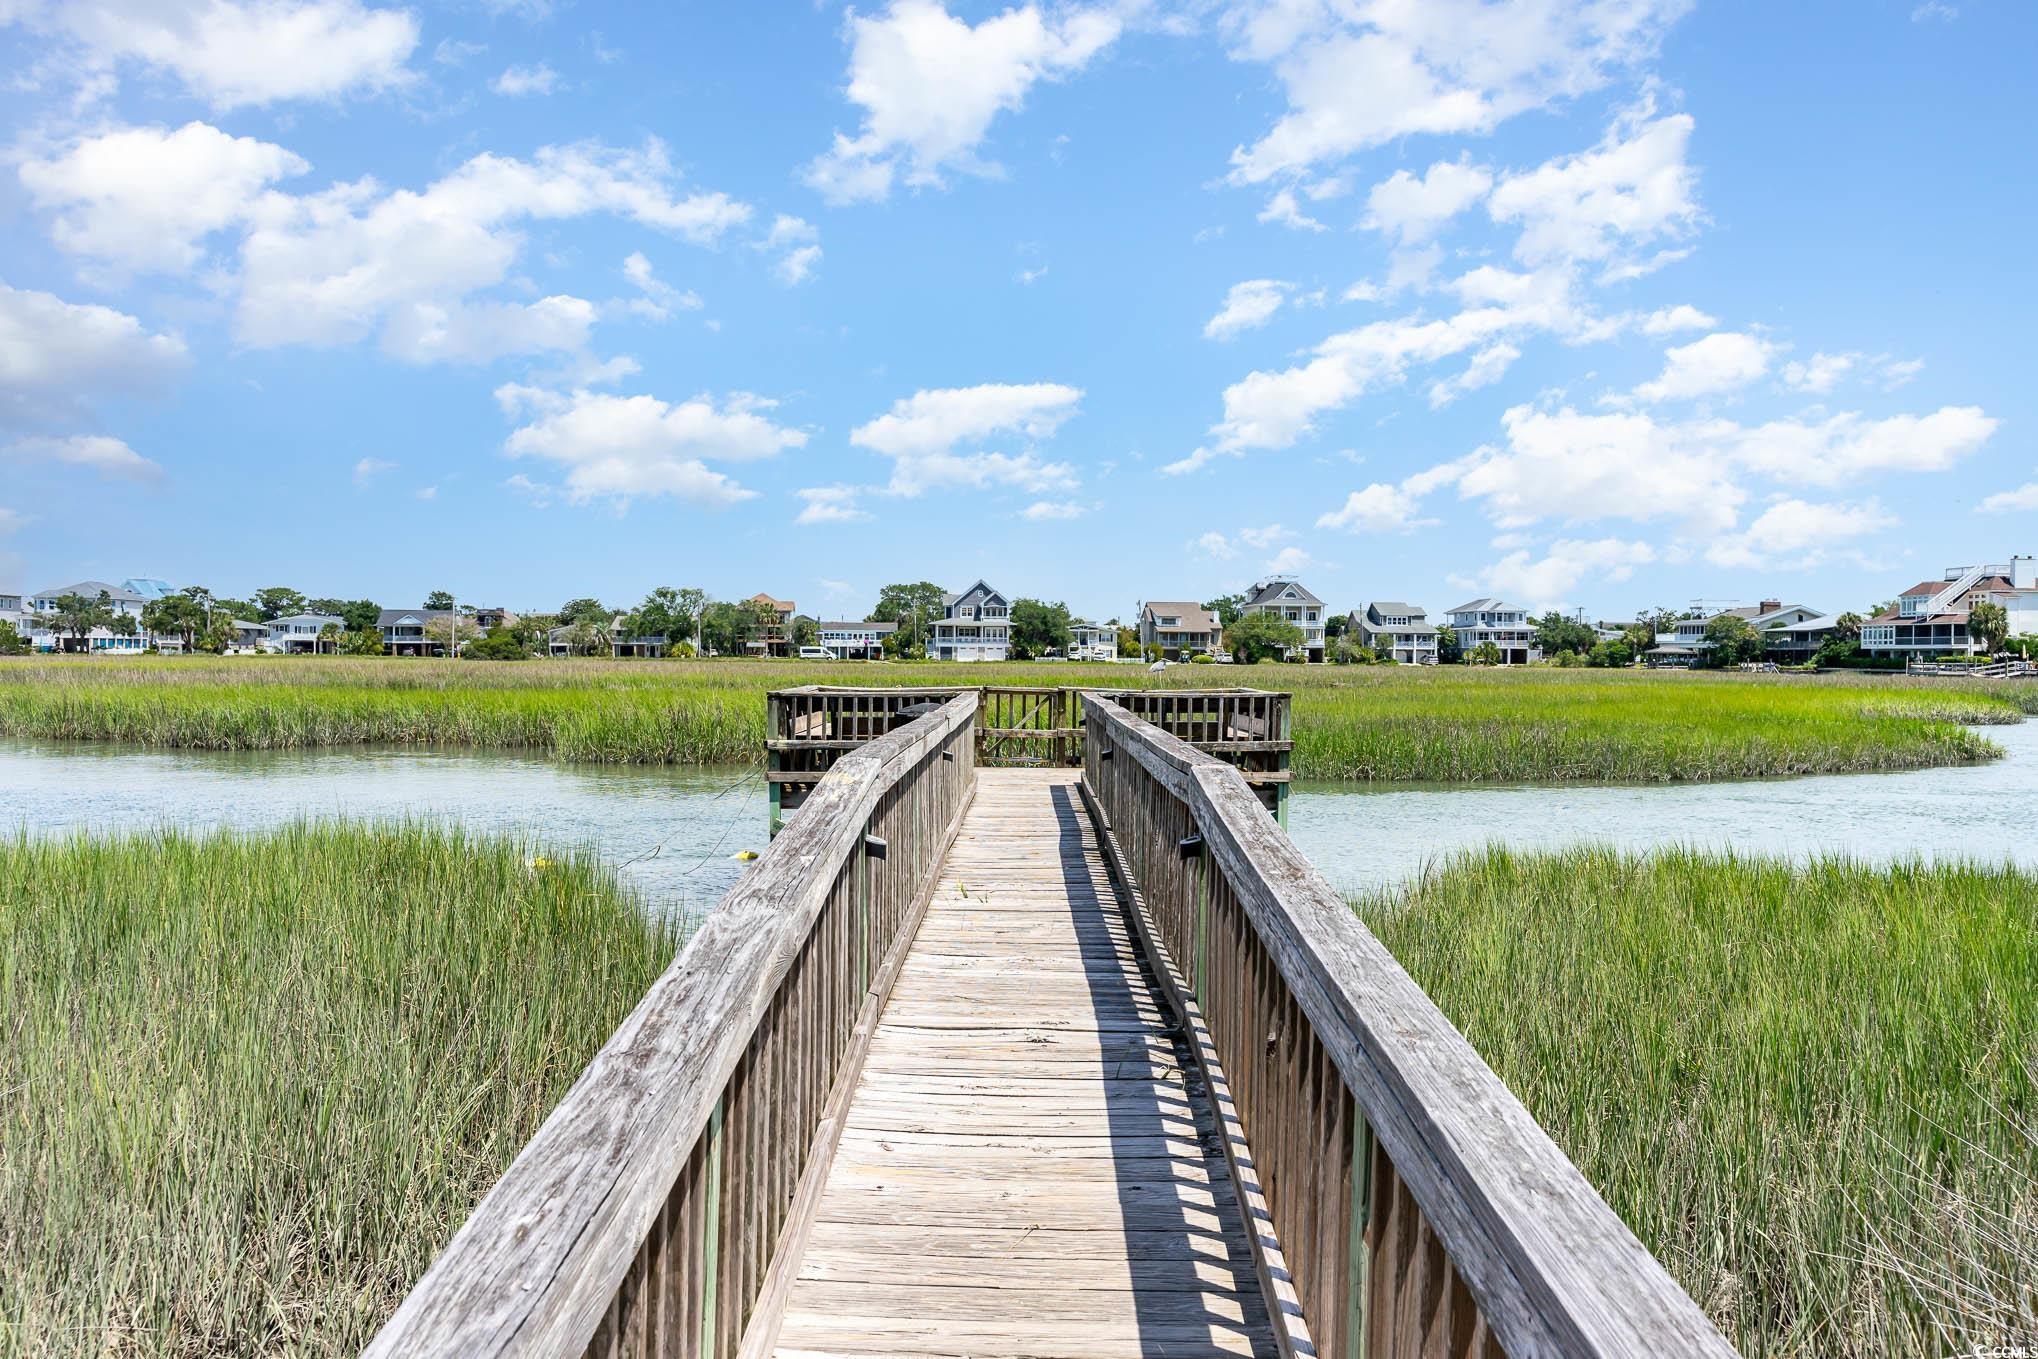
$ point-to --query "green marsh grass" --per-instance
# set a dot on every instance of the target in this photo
(251, 1083)
(1453, 724)
(1808, 1088)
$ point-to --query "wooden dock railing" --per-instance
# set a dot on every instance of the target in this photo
(1417, 1208)
(661, 1208)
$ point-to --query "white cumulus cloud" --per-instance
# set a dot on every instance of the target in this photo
(620, 447)
(1414, 209)
(1361, 75)
(1547, 581)
(522, 82)
(144, 198)
(835, 504)
(930, 84)
(58, 359)
(233, 53)
(109, 457)
(1793, 532)
(1246, 306)
(1722, 362)
(923, 434)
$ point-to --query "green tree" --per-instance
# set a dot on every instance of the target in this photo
(1228, 608)
(180, 615)
(501, 644)
(1847, 627)
(220, 635)
(1258, 636)
(74, 615)
(806, 631)
(1335, 627)
(657, 616)
(1486, 653)
(451, 632)
(329, 638)
(914, 608)
(1448, 650)
(726, 626)
(279, 601)
(584, 611)
(439, 599)
(359, 615)
(361, 642)
(1557, 635)
(1612, 653)
(1039, 627)
(1128, 642)
(1731, 640)
(12, 643)
(1989, 624)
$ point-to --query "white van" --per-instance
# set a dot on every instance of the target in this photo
(816, 653)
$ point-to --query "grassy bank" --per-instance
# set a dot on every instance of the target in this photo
(1810, 1090)
(1386, 723)
(249, 1084)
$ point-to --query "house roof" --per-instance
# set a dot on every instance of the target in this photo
(950, 601)
(92, 589)
(1195, 618)
(1821, 623)
(320, 618)
(1485, 604)
(1395, 606)
(388, 616)
(858, 625)
(782, 605)
(1270, 591)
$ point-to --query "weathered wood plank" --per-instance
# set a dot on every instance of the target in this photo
(1022, 1170)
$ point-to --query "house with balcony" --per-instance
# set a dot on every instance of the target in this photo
(422, 632)
(1289, 600)
(774, 638)
(1790, 632)
(1930, 618)
(1505, 625)
(299, 633)
(847, 640)
(1093, 641)
(1399, 630)
(1178, 630)
(101, 641)
(975, 625)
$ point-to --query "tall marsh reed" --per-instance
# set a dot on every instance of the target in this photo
(250, 1083)
(1451, 724)
(1812, 1090)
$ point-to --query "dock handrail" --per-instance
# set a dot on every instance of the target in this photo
(657, 1208)
(1419, 1207)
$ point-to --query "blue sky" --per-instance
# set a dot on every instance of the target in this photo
(1599, 303)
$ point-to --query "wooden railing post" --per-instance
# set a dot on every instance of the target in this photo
(1359, 1264)
(1415, 1206)
(711, 1234)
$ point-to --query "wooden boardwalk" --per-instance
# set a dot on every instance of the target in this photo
(1029, 1166)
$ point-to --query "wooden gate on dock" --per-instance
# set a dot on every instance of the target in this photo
(1024, 727)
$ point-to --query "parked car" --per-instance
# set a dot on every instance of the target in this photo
(816, 653)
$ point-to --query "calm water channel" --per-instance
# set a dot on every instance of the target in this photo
(675, 832)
